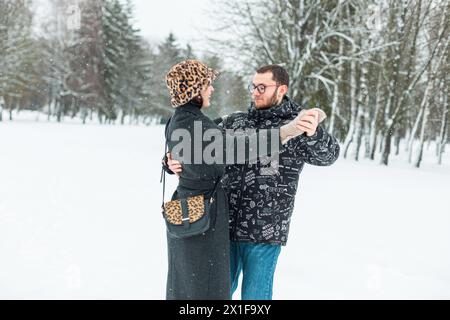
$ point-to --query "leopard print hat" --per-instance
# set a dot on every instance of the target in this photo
(186, 79)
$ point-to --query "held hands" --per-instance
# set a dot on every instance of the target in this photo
(306, 121)
(174, 165)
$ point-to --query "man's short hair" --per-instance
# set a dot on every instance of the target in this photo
(280, 74)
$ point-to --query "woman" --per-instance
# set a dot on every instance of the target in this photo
(198, 265)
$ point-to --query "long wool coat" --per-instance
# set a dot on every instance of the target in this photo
(199, 266)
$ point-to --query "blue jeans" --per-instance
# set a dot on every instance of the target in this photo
(258, 262)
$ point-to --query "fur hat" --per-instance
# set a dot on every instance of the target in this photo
(186, 79)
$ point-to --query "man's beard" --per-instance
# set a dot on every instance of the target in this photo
(273, 101)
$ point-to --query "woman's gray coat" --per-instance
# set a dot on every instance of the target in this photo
(199, 266)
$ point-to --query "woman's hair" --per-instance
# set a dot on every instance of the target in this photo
(197, 101)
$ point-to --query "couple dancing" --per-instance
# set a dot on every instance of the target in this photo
(254, 199)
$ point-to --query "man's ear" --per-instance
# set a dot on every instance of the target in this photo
(283, 89)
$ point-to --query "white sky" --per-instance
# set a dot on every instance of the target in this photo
(185, 19)
(189, 20)
(156, 18)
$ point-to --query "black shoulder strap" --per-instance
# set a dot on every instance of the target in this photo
(163, 172)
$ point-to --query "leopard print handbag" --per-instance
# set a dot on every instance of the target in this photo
(187, 217)
(174, 213)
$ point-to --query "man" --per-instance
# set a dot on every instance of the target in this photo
(261, 196)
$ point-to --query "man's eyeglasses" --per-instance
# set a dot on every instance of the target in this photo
(260, 87)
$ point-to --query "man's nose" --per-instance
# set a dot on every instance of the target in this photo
(256, 93)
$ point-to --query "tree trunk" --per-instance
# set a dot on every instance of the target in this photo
(59, 107)
(122, 118)
(367, 134)
(397, 143)
(130, 118)
(84, 113)
(374, 146)
(408, 133)
(12, 107)
(387, 146)
(2, 105)
(335, 103)
(362, 107)
(373, 123)
(381, 144)
(419, 156)
(358, 136)
(354, 108)
(443, 132)
(50, 108)
(417, 122)
(443, 144)
(422, 137)
(74, 107)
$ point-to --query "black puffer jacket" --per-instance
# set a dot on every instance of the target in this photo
(261, 196)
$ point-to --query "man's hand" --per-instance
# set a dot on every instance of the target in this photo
(308, 122)
(174, 165)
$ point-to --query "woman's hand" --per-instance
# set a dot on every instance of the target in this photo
(174, 165)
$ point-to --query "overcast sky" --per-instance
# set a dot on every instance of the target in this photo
(188, 20)
(157, 18)
(185, 18)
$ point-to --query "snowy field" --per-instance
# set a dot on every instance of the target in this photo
(80, 219)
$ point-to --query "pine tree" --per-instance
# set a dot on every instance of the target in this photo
(125, 65)
(169, 53)
(230, 93)
(15, 51)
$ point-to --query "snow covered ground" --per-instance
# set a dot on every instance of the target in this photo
(80, 219)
